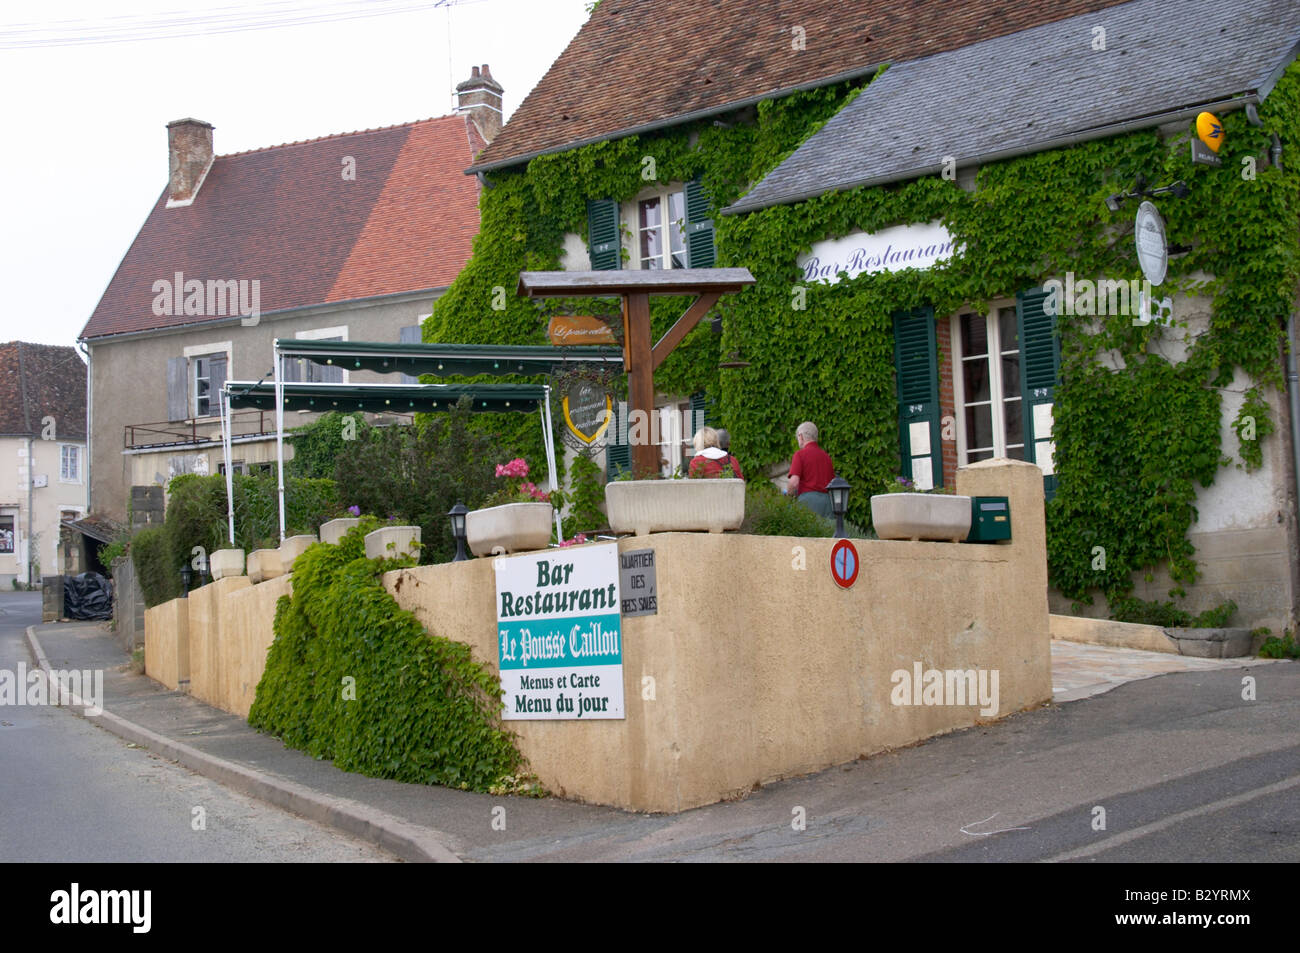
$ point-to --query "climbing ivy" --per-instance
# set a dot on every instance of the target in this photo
(1134, 437)
(353, 677)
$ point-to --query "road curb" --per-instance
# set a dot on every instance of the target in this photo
(407, 841)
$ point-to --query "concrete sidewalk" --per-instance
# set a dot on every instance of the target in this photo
(428, 823)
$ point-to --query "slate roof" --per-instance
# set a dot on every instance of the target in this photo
(1033, 90)
(38, 381)
(286, 217)
(637, 64)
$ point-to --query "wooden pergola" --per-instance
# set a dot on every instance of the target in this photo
(640, 358)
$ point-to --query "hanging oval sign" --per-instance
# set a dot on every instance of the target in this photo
(1152, 249)
(1209, 130)
(587, 411)
(570, 329)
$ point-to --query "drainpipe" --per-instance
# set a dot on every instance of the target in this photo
(31, 475)
(90, 406)
(1293, 394)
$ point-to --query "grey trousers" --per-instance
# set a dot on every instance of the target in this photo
(819, 503)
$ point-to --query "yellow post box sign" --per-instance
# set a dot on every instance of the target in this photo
(1209, 130)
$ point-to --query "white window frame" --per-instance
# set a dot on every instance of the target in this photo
(324, 334)
(997, 392)
(63, 451)
(632, 214)
(191, 354)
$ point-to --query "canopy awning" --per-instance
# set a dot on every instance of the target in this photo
(445, 360)
(391, 398)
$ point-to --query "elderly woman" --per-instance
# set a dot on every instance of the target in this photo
(710, 460)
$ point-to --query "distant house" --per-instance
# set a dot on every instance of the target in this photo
(42, 460)
(346, 237)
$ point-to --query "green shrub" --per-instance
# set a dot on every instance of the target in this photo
(155, 567)
(353, 677)
(768, 513)
(418, 473)
(1167, 615)
(587, 492)
(1285, 647)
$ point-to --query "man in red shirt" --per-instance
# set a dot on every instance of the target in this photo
(811, 471)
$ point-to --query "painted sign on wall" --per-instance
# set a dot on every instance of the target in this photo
(893, 249)
(560, 634)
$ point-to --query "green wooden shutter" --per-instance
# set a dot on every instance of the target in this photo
(1040, 369)
(618, 452)
(916, 365)
(700, 249)
(603, 245)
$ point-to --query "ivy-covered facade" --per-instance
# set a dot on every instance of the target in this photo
(1145, 432)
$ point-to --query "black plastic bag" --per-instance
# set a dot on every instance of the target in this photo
(88, 596)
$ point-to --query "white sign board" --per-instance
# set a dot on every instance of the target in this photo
(893, 249)
(560, 633)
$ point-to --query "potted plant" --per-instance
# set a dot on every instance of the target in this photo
(904, 512)
(516, 518)
(708, 504)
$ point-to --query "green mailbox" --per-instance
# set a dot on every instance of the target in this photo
(990, 519)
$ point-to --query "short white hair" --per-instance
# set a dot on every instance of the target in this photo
(807, 430)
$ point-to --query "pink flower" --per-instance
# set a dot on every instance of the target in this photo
(517, 467)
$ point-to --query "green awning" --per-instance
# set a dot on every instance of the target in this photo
(386, 398)
(445, 360)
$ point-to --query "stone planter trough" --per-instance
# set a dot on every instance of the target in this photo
(335, 530)
(392, 542)
(226, 562)
(1212, 643)
(264, 564)
(921, 516)
(293, 547)
(514, 527)
(665, 506)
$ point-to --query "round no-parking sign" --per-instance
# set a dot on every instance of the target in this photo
(844, 564)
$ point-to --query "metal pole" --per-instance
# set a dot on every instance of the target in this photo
(225, 444)
(279, 434)
(548, 437)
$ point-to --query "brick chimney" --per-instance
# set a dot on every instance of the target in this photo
(480, 98)
(189, 156)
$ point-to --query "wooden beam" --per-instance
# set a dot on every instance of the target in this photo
(685, 324)
(637, 360)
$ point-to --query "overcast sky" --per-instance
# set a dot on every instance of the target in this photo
(84, 126)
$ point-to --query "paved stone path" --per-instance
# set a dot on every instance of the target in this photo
(1080, 670)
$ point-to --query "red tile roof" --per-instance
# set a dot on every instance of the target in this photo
(286, 217)
(639, 63)
(39, 381)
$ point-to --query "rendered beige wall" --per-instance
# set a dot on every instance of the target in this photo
(217, 638)
(762, 670)
(212, 661)
(167, 643)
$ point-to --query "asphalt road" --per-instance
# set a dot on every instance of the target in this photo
(71, 792)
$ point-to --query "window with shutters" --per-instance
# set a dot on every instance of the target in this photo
(208, 376)
(661, 231)
(1006, 367)
(670, 227)
(986, 386)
